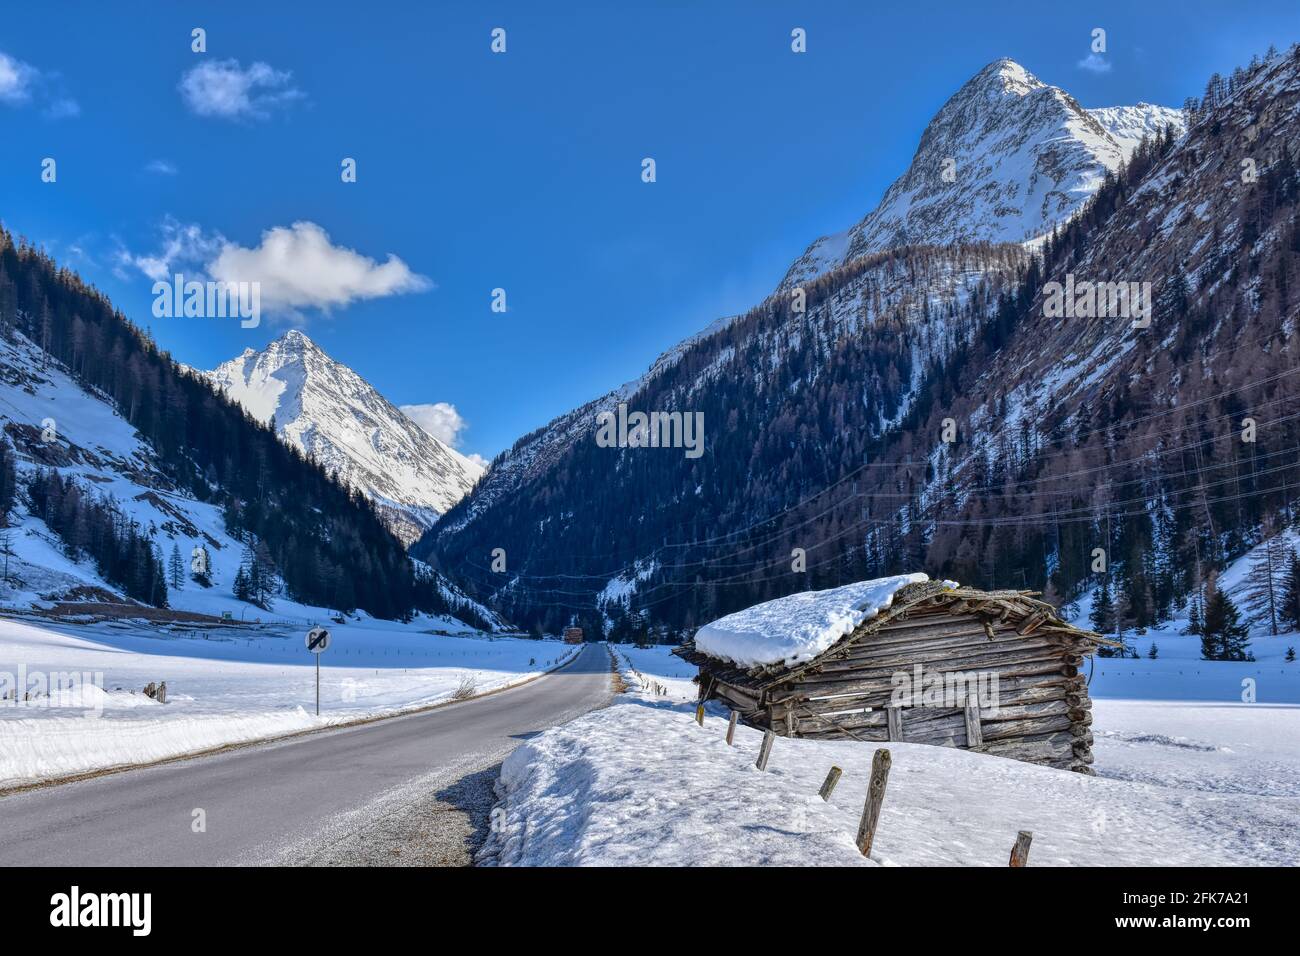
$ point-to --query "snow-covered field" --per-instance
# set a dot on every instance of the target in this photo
(226, 686)
(640, 783)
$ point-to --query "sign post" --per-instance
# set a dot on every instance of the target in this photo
(317, 640)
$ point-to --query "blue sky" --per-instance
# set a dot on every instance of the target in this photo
(519, 170)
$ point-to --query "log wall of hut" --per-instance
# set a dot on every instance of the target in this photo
(961, 640)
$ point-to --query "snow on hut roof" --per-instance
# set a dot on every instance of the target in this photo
(798, 627)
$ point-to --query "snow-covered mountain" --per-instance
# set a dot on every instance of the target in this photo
(824, 425)
(336, 417)
(1027, 156)
(1129, 125)
(1006, 159)
(54, 424)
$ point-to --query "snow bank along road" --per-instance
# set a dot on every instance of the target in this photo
(257, 801)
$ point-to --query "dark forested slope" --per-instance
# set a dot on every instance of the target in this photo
(928, 410)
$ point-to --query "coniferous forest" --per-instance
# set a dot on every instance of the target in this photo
(91, 526)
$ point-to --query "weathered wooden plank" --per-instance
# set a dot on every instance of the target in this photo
(974, 737)
(960, 658)
(868, 650)
(818, 730)
(851, 683)
(1009, 729)
(828, 786)
(880, 763)
(1036, 748)
(1011, 690)
(895, 721)
(911, 631)
(939, 727)
(1028, 625)
(731, 727)
(738, 698)
(1049, 708)
(923, 617)
(976, 651)
(975, 641)
(802, 709)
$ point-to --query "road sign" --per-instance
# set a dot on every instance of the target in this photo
(318, 639)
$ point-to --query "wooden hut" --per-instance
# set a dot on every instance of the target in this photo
(1005, 646)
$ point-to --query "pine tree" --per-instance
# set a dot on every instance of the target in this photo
(8, 482)
(1290, 655)
(176, 568)
(1265, 582)
(1123, 611)
(7, 549)
(258, 574)
(1102, 617)
(1154, 652)
(1224, 638)
(264, 584)
(248, 575)
(1194, 615)
(1289, 606)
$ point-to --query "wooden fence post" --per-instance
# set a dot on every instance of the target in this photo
(1020, 852)
(832, 779)
(731, 727)
(699, 715)
(880, 763)
(765, 750)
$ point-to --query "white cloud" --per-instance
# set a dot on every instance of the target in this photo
(439, 419)
(22, 84)
(1094, 63)
(16, 80)
(298, 267)
(161, 167)
(223, 88)
(182, 245)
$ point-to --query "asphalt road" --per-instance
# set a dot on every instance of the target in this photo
(264, 803)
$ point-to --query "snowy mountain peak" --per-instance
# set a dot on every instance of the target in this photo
(295, 340)
(1004, 76)
(333, 415)
(1006, 159)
